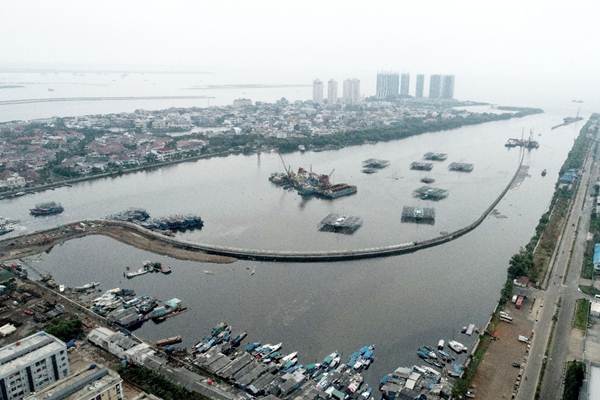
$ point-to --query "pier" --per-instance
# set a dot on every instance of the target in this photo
(102, 227)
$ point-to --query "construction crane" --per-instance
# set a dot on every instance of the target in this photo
(285, 168)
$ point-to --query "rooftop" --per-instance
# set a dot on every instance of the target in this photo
(80, 385)
(21, 353)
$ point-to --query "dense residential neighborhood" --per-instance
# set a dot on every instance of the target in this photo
(54, 149)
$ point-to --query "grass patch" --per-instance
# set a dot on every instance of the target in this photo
(573, 380)
(65, 329)
(589, 290)
(154, 383)
(582, 314)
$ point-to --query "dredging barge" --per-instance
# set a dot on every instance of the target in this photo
(310, 184)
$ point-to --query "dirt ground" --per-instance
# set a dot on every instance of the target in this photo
(496, 377)
(27, 245)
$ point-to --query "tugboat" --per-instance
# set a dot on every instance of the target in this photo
(49, 208)
(544, 172)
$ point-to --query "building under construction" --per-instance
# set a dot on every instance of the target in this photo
(430, 193)
(460, 167)
(435, 156)
(340, 224)
(425, 215)
(421, 166)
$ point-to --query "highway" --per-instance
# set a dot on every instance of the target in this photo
(562, 287)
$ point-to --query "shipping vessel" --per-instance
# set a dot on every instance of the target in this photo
(49, 208)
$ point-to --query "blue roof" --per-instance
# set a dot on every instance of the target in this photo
(596, 258)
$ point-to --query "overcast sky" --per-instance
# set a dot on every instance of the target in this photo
(541, 42)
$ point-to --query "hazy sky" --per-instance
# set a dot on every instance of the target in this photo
(540, 43)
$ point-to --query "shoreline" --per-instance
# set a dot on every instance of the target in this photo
(43, 241)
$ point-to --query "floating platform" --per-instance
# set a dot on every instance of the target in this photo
(435, 156)
(369, 170)
(430, 193)
(421, 166)
(460, 167)
(424, 215)
(375, 163)
(527, 143)
(340, 224)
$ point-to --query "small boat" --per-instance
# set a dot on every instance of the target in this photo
(367, 393)
(139, 272)
(445, 356)
(290, 356)
(250, 347)
(207, 272)
(253, 271)
(470, 329)
(86, 287)
(427, 180)
(457, 346)
(165, 269)
(441, 344)
(168, 341)
(329, 359)
(61, 288)
(238, 339)
(544, 172)
(423, 354)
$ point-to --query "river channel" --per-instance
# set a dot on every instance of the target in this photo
(397, 303)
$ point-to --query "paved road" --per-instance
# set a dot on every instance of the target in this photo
(567, 293)
(553, 377)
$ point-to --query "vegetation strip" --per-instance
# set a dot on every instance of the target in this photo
(582, 313)
(154, 383)
(573, 380)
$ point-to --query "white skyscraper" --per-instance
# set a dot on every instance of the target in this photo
(448, 87)
(317, 91)
(435, 86)
(420, 86)
(332, 91)
(404, 84)
(351, 91)
(387, 85)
